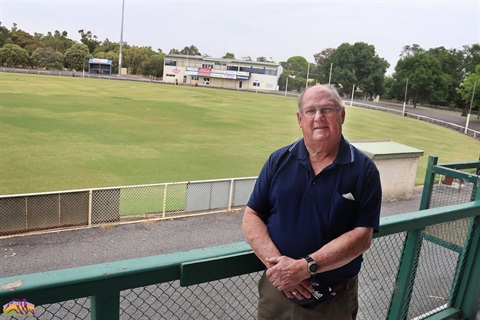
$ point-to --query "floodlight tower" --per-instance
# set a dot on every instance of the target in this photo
(121, 41)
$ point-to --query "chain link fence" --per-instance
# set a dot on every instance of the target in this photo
(93, 207)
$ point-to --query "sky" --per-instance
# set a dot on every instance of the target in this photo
(276, 30)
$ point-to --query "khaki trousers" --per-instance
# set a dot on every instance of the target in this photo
(274, 305)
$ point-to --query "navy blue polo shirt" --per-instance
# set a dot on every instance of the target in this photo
(303, 212)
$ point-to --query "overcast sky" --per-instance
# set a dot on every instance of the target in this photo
(276, 29)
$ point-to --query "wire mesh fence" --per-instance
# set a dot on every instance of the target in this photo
(236, 297)
(93, 207)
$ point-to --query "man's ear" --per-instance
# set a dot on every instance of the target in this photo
(299, 117)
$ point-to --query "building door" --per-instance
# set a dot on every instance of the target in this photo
(240, 84)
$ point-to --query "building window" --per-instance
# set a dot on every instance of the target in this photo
(171, 63)
(256, 84)
(207, 65)
(206, 81)
(194, 78)
(270, 72)
(170, 75)
(232, 68)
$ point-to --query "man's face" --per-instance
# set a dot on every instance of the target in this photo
(322, 127)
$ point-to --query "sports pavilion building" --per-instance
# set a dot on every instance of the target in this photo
(219, 72)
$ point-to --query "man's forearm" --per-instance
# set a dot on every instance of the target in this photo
(343, 249)
(256, 234)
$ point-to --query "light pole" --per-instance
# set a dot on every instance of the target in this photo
(286, 85)
(330, 77)
(470, 110)
(121, 42)
(308, 73)
(405, 99)
(353, 93)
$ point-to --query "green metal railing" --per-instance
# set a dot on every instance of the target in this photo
(422, 265)
(104, 282)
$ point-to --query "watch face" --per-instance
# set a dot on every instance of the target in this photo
(313, 267)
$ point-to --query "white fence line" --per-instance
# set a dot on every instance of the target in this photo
(21, 213)
(475, 134)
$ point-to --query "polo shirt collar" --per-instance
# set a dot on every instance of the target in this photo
(345, 152)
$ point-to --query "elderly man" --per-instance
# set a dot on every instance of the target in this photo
(311, 215)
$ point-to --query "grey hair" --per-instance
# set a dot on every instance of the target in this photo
(325, 88)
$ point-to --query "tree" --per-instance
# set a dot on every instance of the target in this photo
(295, 68)
(47, 58)
(107, 46)
(134, 57)
(264, 59)
(322, 55)
(425, 78)
(154, 66)
(412, 50)
(4, 34)
(89, 39)
(77, 57)
(354, 65)
(451, 62)
(296, 65)
(191, 51)
(59, 41)
(229, 55)
(471, 57)
(12, 55)
(466, 91)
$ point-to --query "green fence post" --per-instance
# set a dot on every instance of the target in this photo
(469, 288)
(105, 306)
(407, 269)
(429, 182)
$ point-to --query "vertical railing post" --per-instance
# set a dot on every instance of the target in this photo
(230, 194)
(105, 306)
(407, 269)
(164, 206)
(90, 197)
(468, 294)
(428, 184)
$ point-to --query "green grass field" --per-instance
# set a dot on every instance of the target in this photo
(59, 133)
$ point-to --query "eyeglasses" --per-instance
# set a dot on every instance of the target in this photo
(326, 112)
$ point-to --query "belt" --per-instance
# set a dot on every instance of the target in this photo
(345, 285)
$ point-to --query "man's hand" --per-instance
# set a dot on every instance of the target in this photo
(301, 291)
(289, 275)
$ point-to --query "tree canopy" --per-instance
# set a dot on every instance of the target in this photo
(353, 65)
(435, 76)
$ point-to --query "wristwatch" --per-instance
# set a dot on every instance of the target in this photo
(311, 265)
